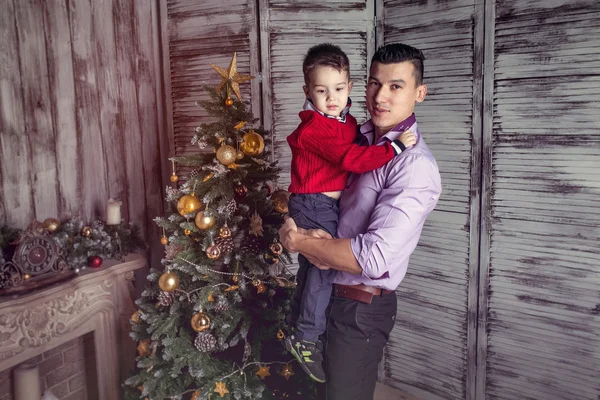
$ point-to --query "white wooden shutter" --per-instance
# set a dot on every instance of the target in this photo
(197, 34)
(288, 29)
(540, 302)
(431, 352)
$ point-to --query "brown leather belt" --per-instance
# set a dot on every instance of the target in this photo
(362, 293)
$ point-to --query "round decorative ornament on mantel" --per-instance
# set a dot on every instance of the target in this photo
(35, 263)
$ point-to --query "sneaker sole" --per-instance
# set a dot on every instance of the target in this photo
(289, 348)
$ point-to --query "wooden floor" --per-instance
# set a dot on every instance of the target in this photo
(383, 392)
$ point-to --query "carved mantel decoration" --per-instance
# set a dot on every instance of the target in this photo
(98, 301)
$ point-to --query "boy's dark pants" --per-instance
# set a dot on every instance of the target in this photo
(313, 290)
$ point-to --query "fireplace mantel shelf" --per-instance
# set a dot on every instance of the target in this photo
(99, 301)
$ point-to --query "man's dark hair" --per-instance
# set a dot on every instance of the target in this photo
(325, 54)
(397, 53)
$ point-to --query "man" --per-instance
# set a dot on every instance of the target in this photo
(382, 213)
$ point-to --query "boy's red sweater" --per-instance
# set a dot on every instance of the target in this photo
(323, 152)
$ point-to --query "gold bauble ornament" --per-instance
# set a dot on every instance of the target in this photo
(261, 288)
(174, 178)
(187, 232)
(228, 102)
(196, 395)
(276, 248)
(221, 388)
(225, 231)
(239, 155)
(226, 155)
(213, 252)
(204, 222)
(252, 144)
(168, 282)
(164, 240)
(200, 322)
(51, 224)
(86, 231)
(280, 200)
(280, 335)
(188, 204)
(136, 317)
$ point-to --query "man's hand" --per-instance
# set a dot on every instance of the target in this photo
(287, 234)
(321, 234)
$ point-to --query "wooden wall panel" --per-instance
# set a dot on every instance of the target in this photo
(539, 300)
(16, 201)
(288, 30)
(432, 349)
(197, 34)
(79, 107)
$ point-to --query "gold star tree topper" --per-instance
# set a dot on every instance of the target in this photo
(231, 78)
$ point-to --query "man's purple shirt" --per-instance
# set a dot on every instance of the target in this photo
(383, 211)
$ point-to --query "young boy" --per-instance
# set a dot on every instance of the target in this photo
(323, 153)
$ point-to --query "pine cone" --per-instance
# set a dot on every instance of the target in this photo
(231, 206)
(225, 244)
(165, 299)
(205, 342)
(221, 307)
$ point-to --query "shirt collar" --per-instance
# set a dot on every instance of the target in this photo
(308, 105)
(368, 129)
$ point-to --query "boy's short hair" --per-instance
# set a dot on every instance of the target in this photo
(397, 53)
(325, 54)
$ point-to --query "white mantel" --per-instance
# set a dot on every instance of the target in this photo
(98, 301)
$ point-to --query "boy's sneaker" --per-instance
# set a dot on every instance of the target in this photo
(309, 355)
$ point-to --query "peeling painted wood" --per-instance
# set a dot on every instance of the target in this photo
(38, 129)
(17, 194)
(541, 311)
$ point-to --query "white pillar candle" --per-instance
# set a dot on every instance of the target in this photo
(27, 382)
(113, 213)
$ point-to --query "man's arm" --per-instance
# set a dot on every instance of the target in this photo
(335, 253)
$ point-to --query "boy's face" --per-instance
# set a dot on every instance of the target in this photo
(328, 89)
(392, 94)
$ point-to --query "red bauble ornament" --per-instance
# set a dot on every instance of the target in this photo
(95, 261)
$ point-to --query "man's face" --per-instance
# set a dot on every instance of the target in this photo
(328, 89)
(392, 94)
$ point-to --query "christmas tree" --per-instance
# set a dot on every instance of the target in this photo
(211, 324)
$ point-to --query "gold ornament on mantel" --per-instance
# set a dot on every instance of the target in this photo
(226, 155)
(168, 282)
(188, 203)
(86, 231)
(252, 144)
(204, 222)
(51, 224)
(200, 322)
(231, 78)
(256, 227)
